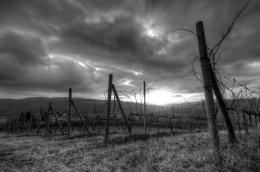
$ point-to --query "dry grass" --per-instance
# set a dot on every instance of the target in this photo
(187, 152)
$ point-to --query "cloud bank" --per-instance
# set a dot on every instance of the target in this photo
(51, 45)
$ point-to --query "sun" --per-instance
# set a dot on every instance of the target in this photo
(151, 29)
(158, 97)
(162, 97)
(151, 32)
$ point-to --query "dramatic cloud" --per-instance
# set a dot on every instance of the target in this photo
(51, 45)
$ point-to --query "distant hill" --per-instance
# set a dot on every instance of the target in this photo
(13, 107)
(16, 106)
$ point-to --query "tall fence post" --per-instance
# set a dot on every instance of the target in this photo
(145, 127)
(108, 107)
(47, 123)
(207, 83)
(245, 122)
(69, 114)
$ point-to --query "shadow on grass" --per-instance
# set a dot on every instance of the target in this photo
(139, 137)
(83, 135)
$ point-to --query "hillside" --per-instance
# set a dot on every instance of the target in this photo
(181, 152)
(15, 106)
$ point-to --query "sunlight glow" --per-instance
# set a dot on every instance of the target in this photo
(162, 97)
(137, 73)
(81, 64)
(254, 64)
(165, 96)
(151, 30)
(127, 82)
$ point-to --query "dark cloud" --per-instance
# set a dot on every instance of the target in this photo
(25, 65)
(21, 48)
(56, 44)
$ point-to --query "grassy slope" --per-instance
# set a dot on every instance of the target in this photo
(188, 152)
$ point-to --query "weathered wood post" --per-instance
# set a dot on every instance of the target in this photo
(145, 128)
(6, 125)
(80, 116)
(51, 111)
(250, 119)
(239, 127)
(69, 114)
(108, 107)
(157, 121)
(181, 126)
(207, 83)
(122, 111)
(114, 113)
(47, 122)
(170, 122)
(245, 122)
(222, 105)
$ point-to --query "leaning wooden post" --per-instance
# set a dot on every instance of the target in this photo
(80, 116)
(121, 109)
(108, 107)
(222, 105)
(51, 111)
(69, 114)
(207, 83)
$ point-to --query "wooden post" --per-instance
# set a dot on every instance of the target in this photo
(145, 128)
(51, 111)
(30, 121)
(245, 122)
(239, 127)
(80, 116)
(108, 107)
(6, 125)
(157, 121)
(38, 123)
(250, 119)
(47, 122)
(42, 116)
(170, 122)
(69, 114)
(95, 112)
(222, 105)
(181, 127)
(12, 124)
(121, 109)
(207, 83)
(114, 113)
(173, 116)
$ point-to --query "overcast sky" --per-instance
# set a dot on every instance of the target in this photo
(47, 46)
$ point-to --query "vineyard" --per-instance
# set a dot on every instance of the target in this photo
(125, 133)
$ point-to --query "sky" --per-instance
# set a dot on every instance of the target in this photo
(51, 45)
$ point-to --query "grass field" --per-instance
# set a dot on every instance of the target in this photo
(181, 152)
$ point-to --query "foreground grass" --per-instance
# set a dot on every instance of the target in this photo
(187, 152)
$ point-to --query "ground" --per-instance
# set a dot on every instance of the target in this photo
(180, 152)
